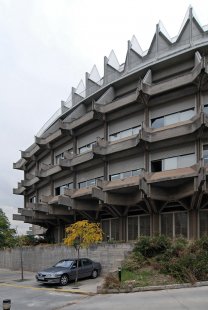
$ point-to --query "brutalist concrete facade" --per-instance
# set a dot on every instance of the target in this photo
(129, 150)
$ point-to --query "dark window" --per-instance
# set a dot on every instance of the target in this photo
(156, 166)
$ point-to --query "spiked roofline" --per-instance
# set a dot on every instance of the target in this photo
(162, 46)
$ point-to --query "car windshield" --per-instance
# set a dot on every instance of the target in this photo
(64, 263)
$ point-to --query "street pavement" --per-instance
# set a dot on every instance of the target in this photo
(28, 294)
(13, 277)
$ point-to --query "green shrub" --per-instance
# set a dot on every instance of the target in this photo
(152, 246)
(134, 262)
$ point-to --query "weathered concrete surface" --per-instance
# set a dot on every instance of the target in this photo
(35, 258)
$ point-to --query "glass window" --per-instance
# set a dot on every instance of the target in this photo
(205, 154)
(167, 224)
(171, 119)
(136, 130)
(82, 184)
(132, 228)
(115, 177)
(86, 262)
(86, 147)
(206, 108)
(158, 122)
(156, 165)
(181, 224)
(136, 172)
(186, 115)
(32, 199)
(125, 133)
(203, 223)
(170, 163)
(114, 137)
(126, 174)
(144, 225)
(106, 229)
(60, 156)
(91, 182)
(114, 229)
(186, 160)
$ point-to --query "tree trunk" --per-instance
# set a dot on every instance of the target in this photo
(76, 279)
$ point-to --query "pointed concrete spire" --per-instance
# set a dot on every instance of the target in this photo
(80, 88)
(186, 18)
(69, 101)
(135, 46)
(94, 75)
(113, 61)
(163, 30)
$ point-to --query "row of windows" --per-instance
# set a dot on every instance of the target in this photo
(172, 118)
(172, 224)
(89, 183)
(126, 174)
(173, 162)
(87, 147)
(60, 190)
(124, 133)
(156, 166)
(155, 123)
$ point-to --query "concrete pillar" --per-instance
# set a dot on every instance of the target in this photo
(155, 227)
(122, 228)
(193, 224)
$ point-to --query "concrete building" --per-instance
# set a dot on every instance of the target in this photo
(129, 150)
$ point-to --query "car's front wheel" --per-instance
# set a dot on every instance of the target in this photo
(64, 280)
(94, 274)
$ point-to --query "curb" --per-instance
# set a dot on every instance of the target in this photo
(101, 290)
(50, 289)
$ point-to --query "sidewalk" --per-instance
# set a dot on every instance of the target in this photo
(13, 278)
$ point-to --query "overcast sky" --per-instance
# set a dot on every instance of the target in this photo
(46, 46)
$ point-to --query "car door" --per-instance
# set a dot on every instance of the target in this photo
(73, 270)
(87, 267)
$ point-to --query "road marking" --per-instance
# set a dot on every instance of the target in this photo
(48, 289)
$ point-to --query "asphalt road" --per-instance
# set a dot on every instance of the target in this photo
(29, 295)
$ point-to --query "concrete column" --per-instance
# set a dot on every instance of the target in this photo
(155, 229)
(193, 224)
(122, 228)
(105, 160)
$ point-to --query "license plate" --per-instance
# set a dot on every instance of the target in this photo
(41, 278)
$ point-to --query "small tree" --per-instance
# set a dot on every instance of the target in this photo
(82, 234)
(7, 234)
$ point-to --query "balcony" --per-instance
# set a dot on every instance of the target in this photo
(20, 164)
(147, 87)
(30, 182)
(116, 104)
(76, 160)
(19, 190)
(50, 138)
(46, 170)
(174, 130)
(30, 152)
(103, 147)
(83, 120)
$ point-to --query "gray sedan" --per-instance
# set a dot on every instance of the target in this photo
(65, 271)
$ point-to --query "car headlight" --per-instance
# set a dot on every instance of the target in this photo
(50, 275)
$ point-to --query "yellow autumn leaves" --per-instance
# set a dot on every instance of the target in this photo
(83, 233)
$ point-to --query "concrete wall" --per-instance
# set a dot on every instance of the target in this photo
(42, 256)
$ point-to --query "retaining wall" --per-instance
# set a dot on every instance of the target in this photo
(38, 257)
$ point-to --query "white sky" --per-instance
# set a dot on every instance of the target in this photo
(46, 46)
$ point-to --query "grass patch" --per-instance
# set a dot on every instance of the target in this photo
(161, 261)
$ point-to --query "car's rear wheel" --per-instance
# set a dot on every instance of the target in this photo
(64, 280)
(94, 274)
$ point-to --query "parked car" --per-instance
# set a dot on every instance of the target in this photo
(65, 271)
